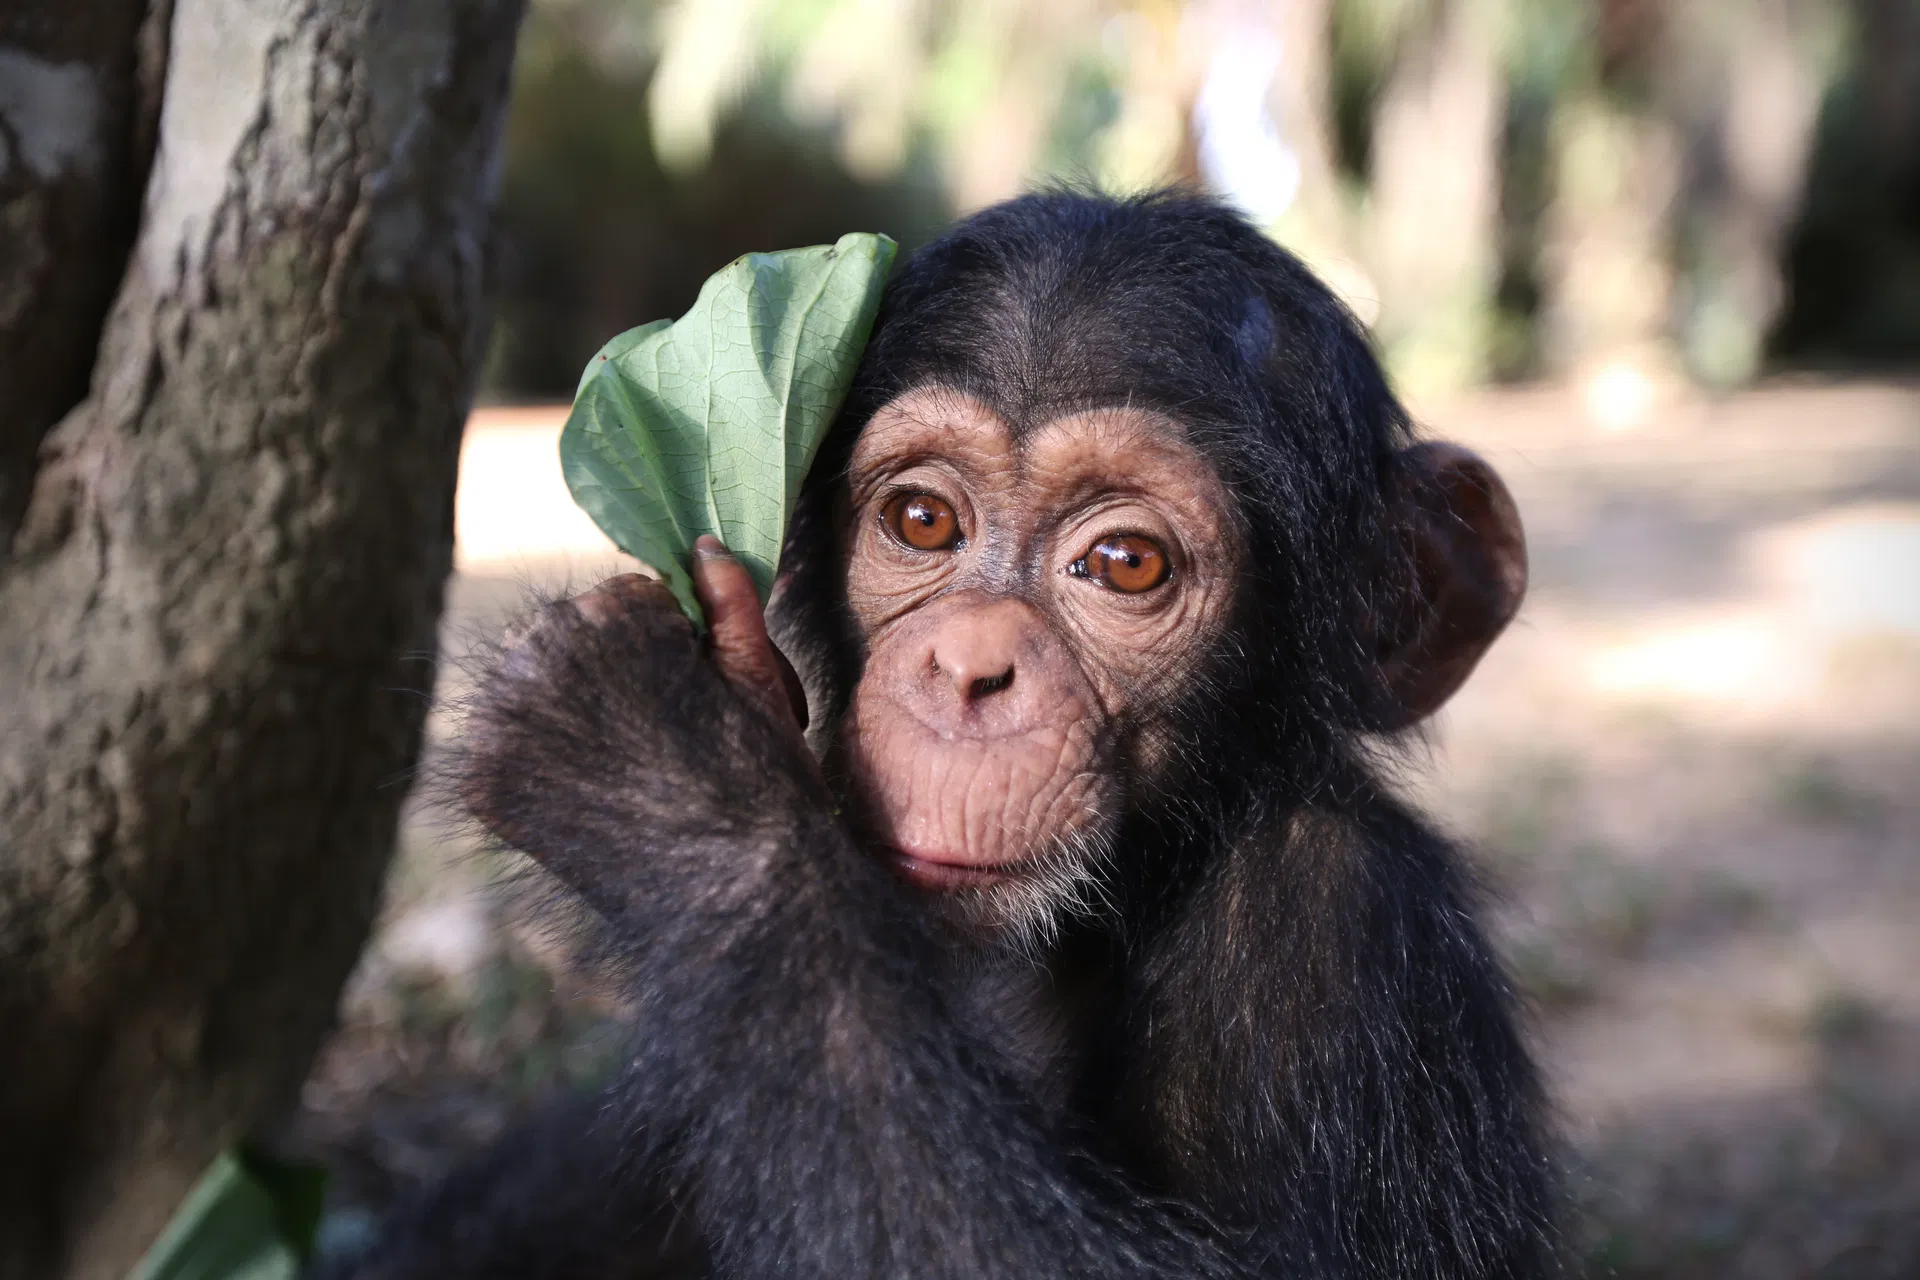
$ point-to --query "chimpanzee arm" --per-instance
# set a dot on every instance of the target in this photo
(834, 1119)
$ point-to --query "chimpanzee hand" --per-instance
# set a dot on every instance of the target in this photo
(609, 728)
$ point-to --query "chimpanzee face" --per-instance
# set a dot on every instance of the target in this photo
(1032, 601)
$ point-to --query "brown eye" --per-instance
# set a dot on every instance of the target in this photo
(922, 521)
(1126, 562)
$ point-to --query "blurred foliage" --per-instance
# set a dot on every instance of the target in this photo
(599, 236)
(1504, 188)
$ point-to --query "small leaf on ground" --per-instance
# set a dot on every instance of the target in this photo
(249, 1217)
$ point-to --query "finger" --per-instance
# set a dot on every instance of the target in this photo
(606, 602)
(737, 627)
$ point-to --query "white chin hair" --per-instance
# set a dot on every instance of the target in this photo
(1023, 912)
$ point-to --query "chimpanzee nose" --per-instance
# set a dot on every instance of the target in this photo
(975, 652)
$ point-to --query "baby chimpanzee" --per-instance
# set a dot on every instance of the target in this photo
(1080, 938)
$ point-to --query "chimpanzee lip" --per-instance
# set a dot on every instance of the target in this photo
(934, 871)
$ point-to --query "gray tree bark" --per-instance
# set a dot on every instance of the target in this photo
(220, 571)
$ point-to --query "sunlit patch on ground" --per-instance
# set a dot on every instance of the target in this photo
(1730, 659)
(1839, 576)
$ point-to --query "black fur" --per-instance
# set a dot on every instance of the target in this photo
(1287, 1050)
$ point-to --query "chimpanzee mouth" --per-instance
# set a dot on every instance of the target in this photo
(946, 876)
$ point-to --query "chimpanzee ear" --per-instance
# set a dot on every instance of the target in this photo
(1468, 558)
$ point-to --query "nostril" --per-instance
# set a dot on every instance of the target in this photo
(973, 655)
(985, 685)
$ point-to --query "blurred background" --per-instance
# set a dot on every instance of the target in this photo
(1658, 259)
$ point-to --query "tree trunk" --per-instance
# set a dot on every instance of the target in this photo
(1744, 80)
(1435, 198)
(1303, 95)
(217, 609)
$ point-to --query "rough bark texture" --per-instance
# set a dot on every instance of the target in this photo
(217, 611)
(79, 98)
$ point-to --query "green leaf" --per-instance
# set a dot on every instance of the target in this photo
(709, 423)
(248, 1218)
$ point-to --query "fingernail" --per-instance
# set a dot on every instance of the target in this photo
(708, 547)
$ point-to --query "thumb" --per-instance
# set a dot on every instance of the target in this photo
(737, 633)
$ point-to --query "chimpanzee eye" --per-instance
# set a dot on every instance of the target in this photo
(922, 521)
(1125, 562)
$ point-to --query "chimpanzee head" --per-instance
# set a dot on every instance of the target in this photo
(1121, 523)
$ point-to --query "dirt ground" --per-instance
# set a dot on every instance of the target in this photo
(1692, 768)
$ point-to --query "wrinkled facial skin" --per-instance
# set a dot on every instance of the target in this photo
(1012, 680)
